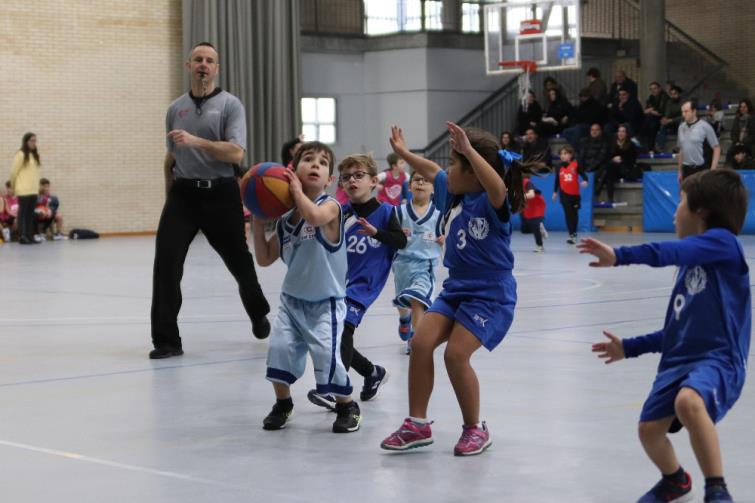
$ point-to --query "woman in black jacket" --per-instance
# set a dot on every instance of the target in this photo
(621, 161)
(529, 118)
(743, 129)
(556, 117)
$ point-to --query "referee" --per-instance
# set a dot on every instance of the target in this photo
(206, 138)
(693, 134)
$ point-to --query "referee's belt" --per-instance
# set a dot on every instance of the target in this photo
(209, 183)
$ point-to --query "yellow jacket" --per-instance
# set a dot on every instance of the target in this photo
(24, 178)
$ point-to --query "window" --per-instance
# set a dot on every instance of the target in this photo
(470, 17)
(385, 16)
(318, 117)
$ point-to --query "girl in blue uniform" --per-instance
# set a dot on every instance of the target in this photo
(705, 340)
(476, 306)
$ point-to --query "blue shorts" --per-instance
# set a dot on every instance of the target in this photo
(718, 386)
(313, 328)
(414, 280)
(354, 312)
(484, 306)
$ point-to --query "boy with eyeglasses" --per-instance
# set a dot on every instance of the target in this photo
(373, 235)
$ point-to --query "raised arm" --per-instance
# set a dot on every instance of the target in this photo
(313, 214)
(265, 251)
(428, 169)
(490, 180)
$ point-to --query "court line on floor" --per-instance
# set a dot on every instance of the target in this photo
(113, 464)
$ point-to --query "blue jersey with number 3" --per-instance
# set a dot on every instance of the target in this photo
(369, 259)
(478, 236)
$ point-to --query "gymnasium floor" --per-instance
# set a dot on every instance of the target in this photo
(86, 417)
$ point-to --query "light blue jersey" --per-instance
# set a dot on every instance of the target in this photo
(422, 243)
(316, 267)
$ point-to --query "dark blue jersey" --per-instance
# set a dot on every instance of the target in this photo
(708, 319)
(369, 259)
(478, 236)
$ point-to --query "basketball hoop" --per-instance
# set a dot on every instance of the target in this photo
(524, 79)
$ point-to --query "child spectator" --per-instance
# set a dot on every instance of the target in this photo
(48, 212)
(508, 142)
(476, 307)
(533, 213)
(393, 183)
(310, 241)
(372, 234)
(705, 340)
(414, 266)
(567, 186)
(8, 212)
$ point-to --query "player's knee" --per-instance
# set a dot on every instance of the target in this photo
(455, 358)
(649, 431)
(688, 404)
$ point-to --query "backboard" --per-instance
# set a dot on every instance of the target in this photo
(544, 31)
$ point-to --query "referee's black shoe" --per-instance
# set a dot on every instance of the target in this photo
(261, 328)
(161, 352)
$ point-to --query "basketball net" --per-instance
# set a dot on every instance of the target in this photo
(524, 79)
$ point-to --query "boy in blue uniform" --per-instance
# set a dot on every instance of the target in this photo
(414, 267)
(310, 240)
(706, 337)
(373, 235)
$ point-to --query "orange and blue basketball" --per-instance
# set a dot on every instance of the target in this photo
(265, 190)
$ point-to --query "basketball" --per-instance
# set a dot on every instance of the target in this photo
(265, 190)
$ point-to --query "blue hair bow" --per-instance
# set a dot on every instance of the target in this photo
(508, 157)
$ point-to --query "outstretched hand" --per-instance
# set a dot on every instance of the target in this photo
(612, 350)
(604, 253)
(458, 138)
(397, 141)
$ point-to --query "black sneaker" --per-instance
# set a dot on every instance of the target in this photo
(349, 417)
(572, 239)
(372, 384)
(667, 491)
(717, 494)
(277, 418)
(261, 328)
(165, 352)
(326, 401)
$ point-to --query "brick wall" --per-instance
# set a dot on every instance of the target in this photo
(727, 27)
(93, 80)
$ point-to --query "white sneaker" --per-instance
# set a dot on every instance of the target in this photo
(543, 230)
(38, 238)
(6, 235)
(539, 249)
(59, 236)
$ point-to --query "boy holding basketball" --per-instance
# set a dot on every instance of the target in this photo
(310, 241)
(373, 235)
(706, 338)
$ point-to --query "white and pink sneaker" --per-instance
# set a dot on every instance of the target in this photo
(474, 440)
(410, 436)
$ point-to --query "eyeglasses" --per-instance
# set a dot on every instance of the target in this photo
(419, 180)
(356, 175)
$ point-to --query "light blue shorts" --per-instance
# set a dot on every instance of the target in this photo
(313, 328)
(414, 280)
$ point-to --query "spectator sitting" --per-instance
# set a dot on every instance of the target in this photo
(743, 128)
(671, 118)
(627, 111)
(531, 117)
(741, 158)
(621, 81)
(623, 154)
(588, 112)
(8, 212)
(654, 107)
(551, 83)
(593, 151)
(597, 86)
(508, 142)
(715, 116)
(536, 152)
(48, 214)
(556, 116)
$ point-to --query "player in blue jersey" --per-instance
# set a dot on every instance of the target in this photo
(414, 267)
(310, 241)
(705, 340)
(373, 235)
(476, 306)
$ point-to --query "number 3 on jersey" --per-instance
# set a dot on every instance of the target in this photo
(356, 244)
(462, 239)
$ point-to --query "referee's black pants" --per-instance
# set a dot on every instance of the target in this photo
(218, 213)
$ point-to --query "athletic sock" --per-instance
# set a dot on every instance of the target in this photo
(678, 477)
(286, 404)
(418, 420)
(714, 481)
